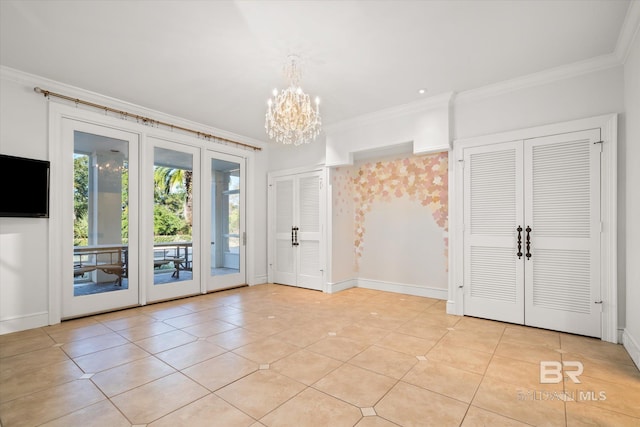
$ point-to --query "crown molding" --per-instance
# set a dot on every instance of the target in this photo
(27, 79)
(541, 78)
(626, 37)
(548, 76)
(629, 31)
(433, 102)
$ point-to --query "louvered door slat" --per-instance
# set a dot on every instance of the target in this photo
(558, 280)
(309, 197)
(493, 274)
(308, 251)
(284, 205)
(284, 267)
(493, 208)
(562, 207)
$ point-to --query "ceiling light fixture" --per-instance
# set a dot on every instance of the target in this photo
(290, 118)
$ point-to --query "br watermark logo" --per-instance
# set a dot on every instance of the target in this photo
(554, 372)
(551, 371)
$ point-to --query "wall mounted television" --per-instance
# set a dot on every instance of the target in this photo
(25, 190)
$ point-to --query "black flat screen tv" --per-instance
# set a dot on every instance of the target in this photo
(25, 191)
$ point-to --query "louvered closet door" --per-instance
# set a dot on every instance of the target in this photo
(493, 274)
(284, 268)
(308, 235)
(297, 260)
(562, 207)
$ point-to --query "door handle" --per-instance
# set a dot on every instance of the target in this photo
(293, 240)
(295, 236)
(519, 242)
(528, 254)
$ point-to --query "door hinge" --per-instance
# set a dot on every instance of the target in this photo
(599, 305)
(599, 144)
(244, 238)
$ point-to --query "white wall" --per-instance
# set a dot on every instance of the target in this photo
(424, 123)
(282, 157)
(24, 251)
(389, 224)
(579, 97)
(259, 216)
(342, 256)
(403, 245)
(631, 158)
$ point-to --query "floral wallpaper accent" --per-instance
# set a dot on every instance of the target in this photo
(422, 179)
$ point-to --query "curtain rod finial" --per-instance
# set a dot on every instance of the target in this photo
(41, 91)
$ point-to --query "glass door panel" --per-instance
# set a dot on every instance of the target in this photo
(103, 178)
(226, 221)
(172, 216)
(174, 222)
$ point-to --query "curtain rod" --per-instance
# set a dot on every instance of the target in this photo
(145, 120)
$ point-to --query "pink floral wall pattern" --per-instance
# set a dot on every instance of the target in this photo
(422, 179)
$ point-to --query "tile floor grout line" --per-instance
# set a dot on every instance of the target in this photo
(331, 311)
(484, 375)
(306, 387)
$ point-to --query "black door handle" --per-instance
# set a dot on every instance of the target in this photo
(293, 241)
(528, 230)
(295, 235)
(519, 242)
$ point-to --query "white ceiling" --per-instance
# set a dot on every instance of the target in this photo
(216, 62)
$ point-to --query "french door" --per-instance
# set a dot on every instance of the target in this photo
(223, 228)
(532, 232)
(142, 218)
(100, 218)
(296, 228)
(172, 256)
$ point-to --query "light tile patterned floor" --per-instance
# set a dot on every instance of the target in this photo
(274, 355)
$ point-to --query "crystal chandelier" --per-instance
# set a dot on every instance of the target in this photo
(290, 118)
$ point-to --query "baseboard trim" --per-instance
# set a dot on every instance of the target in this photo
(22, 323)
(261, 280)
(404, 288)
(631, 345)
(332, 288)
(452, 308)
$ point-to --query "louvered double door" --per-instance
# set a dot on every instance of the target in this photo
(297, 224)
(532, 232)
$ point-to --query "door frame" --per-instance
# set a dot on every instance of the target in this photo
(608, 181)
(324, 234)
(59, 111)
